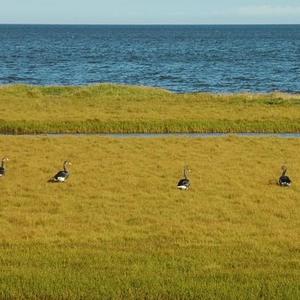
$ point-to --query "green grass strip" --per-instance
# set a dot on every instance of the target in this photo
(165, 126)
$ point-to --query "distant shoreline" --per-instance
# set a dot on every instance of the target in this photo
(93, 84)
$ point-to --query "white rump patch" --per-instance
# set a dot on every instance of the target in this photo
(182, 187)
(61, 179)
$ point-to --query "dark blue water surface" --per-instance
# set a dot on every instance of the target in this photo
(178, 58)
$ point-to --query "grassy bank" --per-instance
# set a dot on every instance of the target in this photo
(120, 228)
(114, 109)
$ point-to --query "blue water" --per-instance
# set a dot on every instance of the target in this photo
(178, 58)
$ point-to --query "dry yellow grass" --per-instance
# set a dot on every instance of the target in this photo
(120, 229)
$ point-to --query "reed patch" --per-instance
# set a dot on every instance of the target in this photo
(107, 108)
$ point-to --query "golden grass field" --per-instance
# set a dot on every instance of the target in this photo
(115, 108)
(120, 229)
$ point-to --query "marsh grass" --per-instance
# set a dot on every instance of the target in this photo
(107, 108)
(119, 229)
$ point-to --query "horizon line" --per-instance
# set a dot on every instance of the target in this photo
(152, 24)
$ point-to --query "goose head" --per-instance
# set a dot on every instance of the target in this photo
(67, 163)
(4, 160)
(186, 171)
(283, 169)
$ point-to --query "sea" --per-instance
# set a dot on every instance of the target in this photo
(180, 58)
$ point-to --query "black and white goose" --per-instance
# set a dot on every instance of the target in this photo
(184, 183)
(2, 167)
(62, 175)
(283, 179)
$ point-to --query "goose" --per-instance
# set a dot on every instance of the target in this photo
(184, 183)
(62, 175)
(283, 179)
(2, 167)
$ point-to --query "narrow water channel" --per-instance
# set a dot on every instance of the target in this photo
(162, 135)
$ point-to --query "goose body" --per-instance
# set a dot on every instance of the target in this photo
(62, 175)
(284, 180)
(2, 167)
(2, 171)
(184, 183)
